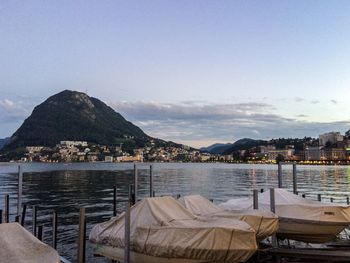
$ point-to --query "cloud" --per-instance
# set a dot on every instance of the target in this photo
(298, 99)
(315, 101)
(334, 101)
(302, 116)
(198, 122)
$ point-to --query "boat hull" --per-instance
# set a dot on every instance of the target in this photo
(116, 253)
(308, 230)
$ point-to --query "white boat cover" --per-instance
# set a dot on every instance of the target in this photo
(289, 205)
(18, 245)
(163, 228)
(264, 223)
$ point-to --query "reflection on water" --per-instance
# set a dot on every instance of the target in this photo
(66, 187)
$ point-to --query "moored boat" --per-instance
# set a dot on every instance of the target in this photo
(20, 246)
(264, 223)
(162, 230)
(300, 219)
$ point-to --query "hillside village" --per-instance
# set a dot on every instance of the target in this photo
(328, 148)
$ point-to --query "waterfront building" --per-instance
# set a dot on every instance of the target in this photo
(73, 143)
(314, 153)
(334, 154)
(286, 153)
(332, 137)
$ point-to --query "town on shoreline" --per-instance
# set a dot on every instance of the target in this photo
(329, 148)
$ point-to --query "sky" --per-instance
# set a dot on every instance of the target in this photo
(191, 71)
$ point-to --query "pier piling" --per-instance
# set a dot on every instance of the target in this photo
(7, 209)
(127, 229)
(82, 236)
(255, 199)
(295, 178)
(115, 200)
(19, 192)
(273, 210)
(280, 175)
(40, 232)
(54, 229)
(347, 200)
(151, 180)
(319, 198)
(34, 217)
(135, 183)
(23, 216)
(1, 216)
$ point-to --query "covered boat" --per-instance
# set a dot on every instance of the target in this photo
(20, 246)
(264, 223)
(161, 230)
(300, 219)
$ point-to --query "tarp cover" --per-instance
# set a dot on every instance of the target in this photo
(162, 227)
(289, 205)
(264, 223)
(18, 245)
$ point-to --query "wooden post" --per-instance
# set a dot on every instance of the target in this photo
(255, 199)
(295, 178)
(127, 229)
(81, 236)
(7, 209)
(23, 216)
(34, 216)
(135, 183)
(40, 233)
(273, 210)
(19, 193)
(279, 175)
(54, 229)
(151, 181)
(272, 200)
(319, 198)
(347, 200)
(115, 200)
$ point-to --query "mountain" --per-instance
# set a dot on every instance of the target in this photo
(217, 148)
(244, 144)
(3, 142)
(71, 115)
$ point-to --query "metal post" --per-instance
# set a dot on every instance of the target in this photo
(295, 179)
(319, 198)
(331, 199)
(40, 233)
(347, 200)
(20, 185)
(135, 183)
(261, 190)
(127, 229)
(0, 216)
(81, 236)
(7, 209)
(154, 193)
(17, 218)
(150, 180)
(34, 216)
(54, 229)
(279, 175)
(303, 195)
(255, 199)
(23, 216)
(273, 210)
(115, 200)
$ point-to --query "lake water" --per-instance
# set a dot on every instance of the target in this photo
(66, 187)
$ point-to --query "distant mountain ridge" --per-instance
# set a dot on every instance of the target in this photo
(229, 148)
(72, 115)
(217, 148)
